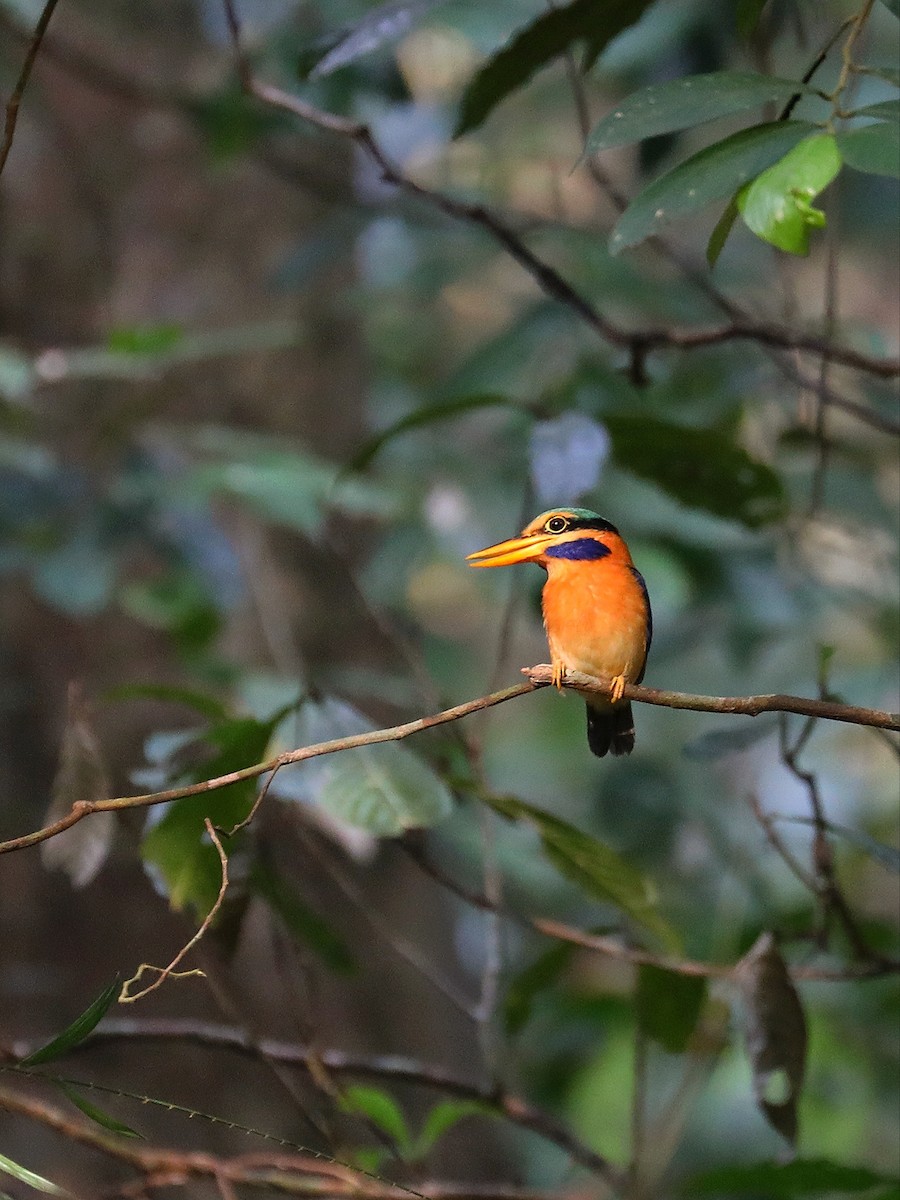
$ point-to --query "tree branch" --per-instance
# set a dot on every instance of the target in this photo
(12, 105)
(539, 676)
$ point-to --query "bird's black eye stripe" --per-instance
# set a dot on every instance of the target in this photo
(557, 525)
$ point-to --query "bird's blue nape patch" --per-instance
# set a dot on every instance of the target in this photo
(581, 549)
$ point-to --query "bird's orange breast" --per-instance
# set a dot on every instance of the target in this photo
(596, 616)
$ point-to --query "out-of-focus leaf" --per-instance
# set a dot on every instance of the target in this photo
(777, 207)
(81, 775)
(17, 375)
(232, 122)
(98, 1115)
(177, 847)
(546, 38)
(747, 15)
(701, 468)
(892, 6)
(144, 339)
(528, 985)
(719, 235)
(384, 789)
(302, 921)
(718, 742)
(75, 1033)
(884, 110)
(594, 867)
(78, 577)
(888, 856)
(668, 1006)
(384, 24)
(382, 1110)
(775, 1033)
(681, 103)
(802, 1177)
(201, 702)
(30, 1178)
(425, 416)
(715, 173)
(177, 602)
(567, 457)
(891, 74)
(441, 1118)
(874, 149)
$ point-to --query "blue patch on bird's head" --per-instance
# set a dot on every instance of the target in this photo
(580, 549)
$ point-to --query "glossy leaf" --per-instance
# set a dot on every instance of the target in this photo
(545, 39)
(701, 468)
(668, 1006)
(777, 207)
(802, 1177)
(682, 103)
(303, 922)
(74, 1034)
(775, 1033)
(81, 775)
(382, 1110)
(594, 867)
(874, 149)
(97, 1115)
(715, 173)
(30, 1178)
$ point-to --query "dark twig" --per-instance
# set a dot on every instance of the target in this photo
(12, 105)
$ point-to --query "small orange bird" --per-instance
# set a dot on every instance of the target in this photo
(596, 610)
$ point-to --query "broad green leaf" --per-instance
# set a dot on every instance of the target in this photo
(303, 922)
(545, 39)
(718, 742)
(874, 149)
(98, 1115)
(715, 173)
(425, 416)
(531, 982)
(384, 789)
(75, 1033)
(441, 1118)
(682, 103)
(802, 1177)
(701, 468)
(775, 1033)
(382, 1110)
(594, 867)
(776, 205)
(668, 1006)
(30, 1178)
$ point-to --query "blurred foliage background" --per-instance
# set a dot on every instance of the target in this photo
(256, 406)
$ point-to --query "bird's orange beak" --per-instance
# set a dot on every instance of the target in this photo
(514, 550)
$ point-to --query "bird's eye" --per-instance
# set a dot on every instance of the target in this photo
(557, 525)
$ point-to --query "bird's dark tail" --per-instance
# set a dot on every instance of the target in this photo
(611, 729)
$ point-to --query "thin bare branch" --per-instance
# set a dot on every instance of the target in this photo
(12, 105)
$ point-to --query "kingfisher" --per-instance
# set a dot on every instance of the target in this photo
(596, 610)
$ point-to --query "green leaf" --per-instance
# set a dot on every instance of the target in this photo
(747, 15)
(441, 1118)
(668, 1006)
(802, 1177)
(97, 1114)
(716, 743)
(30, 1178)
(884, 110)
(715, 173)
(874, 149)
(594, 867)
(201, 702)
(303, 922)
(682, 103)
(75, 1033)
(891, 74)
(719, 235)
(546, 38)
(444, 411)
(144, 339)
(701, 468)
(776, 205)
(536, 978)
(384, 789)
(893, 6)
(382, 1110)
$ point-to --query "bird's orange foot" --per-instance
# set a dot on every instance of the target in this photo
(617, 688)
(559, 674)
